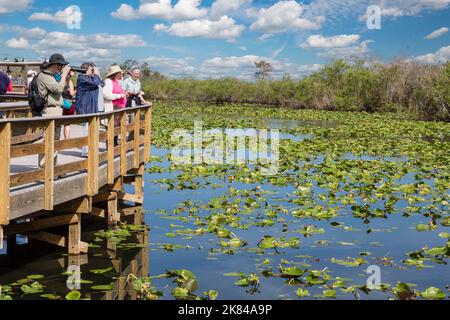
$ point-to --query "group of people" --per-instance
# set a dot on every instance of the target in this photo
(90, 95)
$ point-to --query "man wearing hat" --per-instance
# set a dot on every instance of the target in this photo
(51, 82)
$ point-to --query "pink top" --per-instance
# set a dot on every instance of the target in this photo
(117, 89)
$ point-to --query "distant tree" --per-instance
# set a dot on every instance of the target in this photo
(146, 71)
(128, 64)
(264, 69)
(287, 77)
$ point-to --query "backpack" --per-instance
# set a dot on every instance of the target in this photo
(35, 101)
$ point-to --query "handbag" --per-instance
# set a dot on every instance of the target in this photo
(67, 104)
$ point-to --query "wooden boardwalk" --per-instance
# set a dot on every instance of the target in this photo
(59, 193)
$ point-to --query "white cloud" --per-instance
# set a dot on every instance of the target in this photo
(436, 34)
(172, 67)
(360, 50)
(58, 17)
(440, 56)
(339, 41)
(283, 16)
(161, 9)
(223, 28)
(341, 46)
(19, 43)
(400, 8)
(243, 67)
(97, 46)
(8, 6)
(222, 7)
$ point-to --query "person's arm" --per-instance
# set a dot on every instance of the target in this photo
(108, 91)
(10, 87)
(72, 90)
(89, 83)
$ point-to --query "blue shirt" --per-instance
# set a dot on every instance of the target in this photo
(129, 85)
(87, 94)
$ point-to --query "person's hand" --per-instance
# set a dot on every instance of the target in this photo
(66, 70)
(97, 71)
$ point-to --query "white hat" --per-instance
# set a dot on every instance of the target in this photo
(113, 70)
(30, 73)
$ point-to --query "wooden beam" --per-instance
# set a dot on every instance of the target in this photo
(104, 197)
(113, 214)
(147, 134)
(123, 144)
(55, 239)
(27, 150)
(93, 161)
(47, 223)
(136, 135)
(80, 205)
(130, 197)
(97, 212)
(74, 241)
(110, 150)
(49, 141)
(125, 212)
(5, 151)
(139, 182)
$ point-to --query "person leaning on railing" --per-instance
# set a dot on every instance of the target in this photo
(51, 83)
(115, 97)
(87, 95)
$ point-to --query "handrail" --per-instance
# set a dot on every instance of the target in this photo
(33, 120)
(8, 151)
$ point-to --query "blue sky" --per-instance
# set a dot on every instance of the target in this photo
(216, 38)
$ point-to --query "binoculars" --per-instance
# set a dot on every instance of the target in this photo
(78, 70)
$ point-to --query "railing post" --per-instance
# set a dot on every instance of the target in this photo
(49, 167)
(147, 133)
(93, 156)
(110, 151)
(123, 144)
(137, 135)
(5, 151)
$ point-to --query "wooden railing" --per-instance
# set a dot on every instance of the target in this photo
(11, 149)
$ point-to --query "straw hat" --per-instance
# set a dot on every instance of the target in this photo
(113, 70)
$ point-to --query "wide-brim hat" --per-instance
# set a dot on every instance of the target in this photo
(113, 70)
(57, 59)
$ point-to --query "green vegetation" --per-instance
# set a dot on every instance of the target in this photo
(421, 91)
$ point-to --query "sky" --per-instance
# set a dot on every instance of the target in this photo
(220, 38)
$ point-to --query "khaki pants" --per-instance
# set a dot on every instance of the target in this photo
(52, 111)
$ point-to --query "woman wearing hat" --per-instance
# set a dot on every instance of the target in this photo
(113, 94)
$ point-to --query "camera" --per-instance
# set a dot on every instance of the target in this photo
(78, 69)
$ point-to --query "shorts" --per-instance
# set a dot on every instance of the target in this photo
(69, 112)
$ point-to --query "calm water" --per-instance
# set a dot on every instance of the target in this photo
(386, 240)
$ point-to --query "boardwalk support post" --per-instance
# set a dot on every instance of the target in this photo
(93, 161)
(74, 239)
(5, 152)
(49, 170)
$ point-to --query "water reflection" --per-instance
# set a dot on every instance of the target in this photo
(102, 274)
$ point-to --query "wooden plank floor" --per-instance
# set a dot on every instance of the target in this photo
(29, 163)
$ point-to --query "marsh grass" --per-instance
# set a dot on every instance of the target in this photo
(420, 91)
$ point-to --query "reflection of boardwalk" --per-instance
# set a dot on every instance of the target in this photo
(63, 274)
(58, 194)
